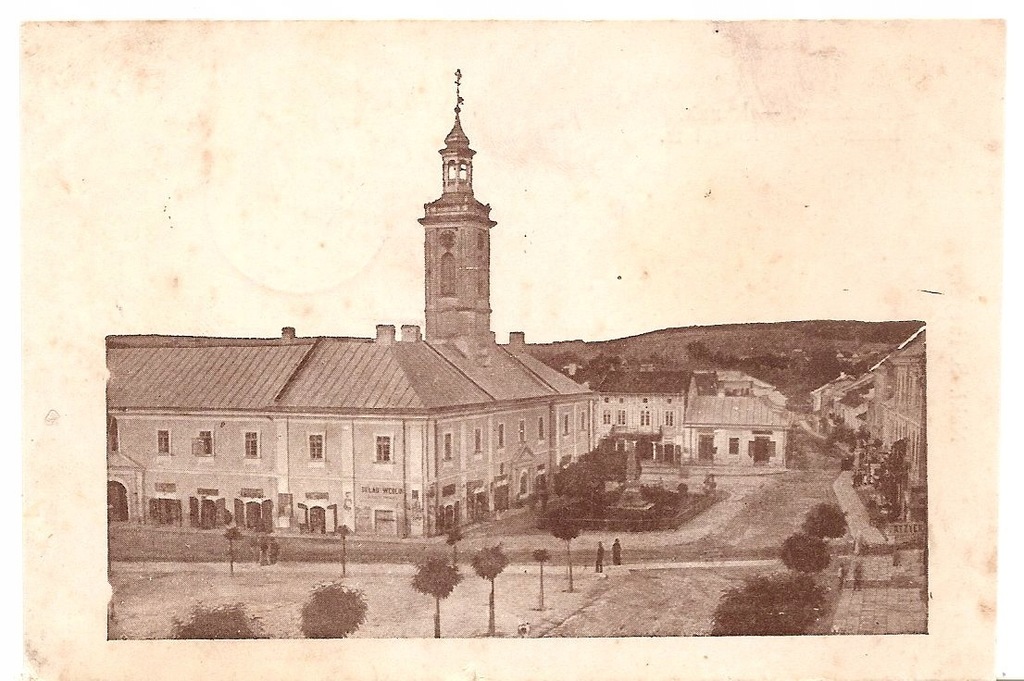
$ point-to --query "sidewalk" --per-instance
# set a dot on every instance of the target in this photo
(890, 601)
(857, 518)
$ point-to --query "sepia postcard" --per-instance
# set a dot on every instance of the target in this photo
(511, 350)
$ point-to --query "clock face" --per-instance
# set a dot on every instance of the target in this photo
(448, 239)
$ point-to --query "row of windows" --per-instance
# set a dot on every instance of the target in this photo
(202, 445)
(645, 418)
(448, 450)
(623, 399)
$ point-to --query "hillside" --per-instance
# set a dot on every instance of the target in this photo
(795, 356)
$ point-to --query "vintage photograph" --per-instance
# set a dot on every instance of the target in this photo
(459, 330)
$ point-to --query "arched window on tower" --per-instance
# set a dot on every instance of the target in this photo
(463, 171)
(452, 170)
(447, 274)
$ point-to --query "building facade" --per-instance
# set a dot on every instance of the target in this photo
(390, 436)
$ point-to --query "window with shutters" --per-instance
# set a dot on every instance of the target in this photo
(621, 417)
(645, 418)
(583, 420)
(670, 418)
(607, 417)
(565, 424)
(447, 446)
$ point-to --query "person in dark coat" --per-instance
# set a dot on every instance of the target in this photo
(264, 547)
(616, 552)
(599, 566)
(273, 550)
(858, 575)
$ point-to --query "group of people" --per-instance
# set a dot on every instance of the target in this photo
(858, 575)
(616, 555)
(267, 548)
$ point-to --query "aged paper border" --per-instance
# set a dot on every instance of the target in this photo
(63, 561)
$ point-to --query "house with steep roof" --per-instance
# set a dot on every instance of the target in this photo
(389, 436)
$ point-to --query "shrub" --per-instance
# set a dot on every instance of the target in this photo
(333, 611)
(825, 520)
(221, 621)
(804, 553)
(776, 605)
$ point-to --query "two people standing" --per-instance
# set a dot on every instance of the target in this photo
(616, 555)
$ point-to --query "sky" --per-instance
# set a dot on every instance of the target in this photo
(241, 177)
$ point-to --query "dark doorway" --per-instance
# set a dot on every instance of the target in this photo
(317, 520)
(254, 515)
(207, 514)
(763, 448)
(706, 448)
(117, 502)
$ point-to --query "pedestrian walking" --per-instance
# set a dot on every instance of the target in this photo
(599, 566)
(858, 575)
(616, 552)
(264, 547)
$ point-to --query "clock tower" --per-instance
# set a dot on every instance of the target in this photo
(457, 246)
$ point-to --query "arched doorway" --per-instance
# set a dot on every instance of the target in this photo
(117, 502)
(317, 520)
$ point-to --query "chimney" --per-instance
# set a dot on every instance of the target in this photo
(288, 333)
(411, 333)
(385, 334)
(517, 340)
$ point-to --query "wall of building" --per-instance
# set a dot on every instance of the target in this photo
(660, 408)
(744, 436)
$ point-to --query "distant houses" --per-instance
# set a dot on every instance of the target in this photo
(882, 416)
(719, 419)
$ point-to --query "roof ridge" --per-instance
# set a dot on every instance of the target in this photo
(461, 372)
(299, 366)
(529, 370)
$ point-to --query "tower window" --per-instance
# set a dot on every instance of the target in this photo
(447, 274)
(452, 171)
(463, 171)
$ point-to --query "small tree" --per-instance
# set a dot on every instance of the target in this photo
(488, 563)
(232, 534)
(825, 521)
(541, 556)
(436, 577)
(804, 553)
(775, 605)
(566, 528)
(453, 539)
(333, 611)
(221, 621)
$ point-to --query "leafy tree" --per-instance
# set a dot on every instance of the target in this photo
(438, 578)
(232, 534)
(804, 553)
(776, 605)
(221, 621)
(453, 539)
(488, 563)
(825, 520)
(566, 528)
(333, 611)
(541, 556)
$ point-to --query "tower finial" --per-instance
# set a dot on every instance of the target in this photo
(458, 84)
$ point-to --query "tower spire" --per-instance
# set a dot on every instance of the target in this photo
(458, 97)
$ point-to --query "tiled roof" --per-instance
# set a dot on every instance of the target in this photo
(739, 411)
(321, 374)
(645, 382)
(212, 377)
